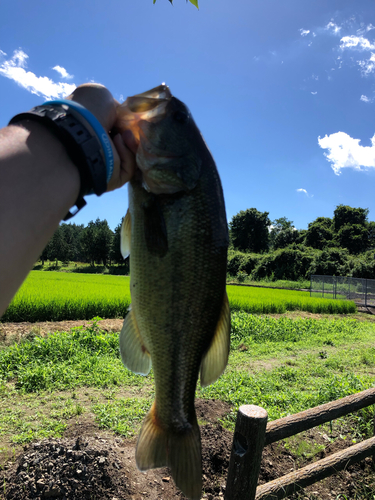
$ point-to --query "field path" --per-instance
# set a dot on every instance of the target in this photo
(13, 332)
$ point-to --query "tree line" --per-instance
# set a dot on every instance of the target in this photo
(95, 244)
(342, 245)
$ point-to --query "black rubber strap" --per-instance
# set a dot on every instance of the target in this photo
(83, 147)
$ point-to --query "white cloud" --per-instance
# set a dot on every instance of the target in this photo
(356, 42)
(14, 69)
(304, 32)
(365, 29)
(301, 190)
(365, 98)
(332, 26)
(314, 93)
(367, 67)
(63, 72)
(346, 152)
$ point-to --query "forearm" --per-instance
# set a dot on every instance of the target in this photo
(38, 185)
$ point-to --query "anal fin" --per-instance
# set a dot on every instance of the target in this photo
(215, 359)
(134, 354)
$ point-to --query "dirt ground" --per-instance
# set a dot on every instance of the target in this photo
(13, 332)
(88, 463)
(92, 464)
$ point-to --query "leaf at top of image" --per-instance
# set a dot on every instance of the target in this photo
(194, 2)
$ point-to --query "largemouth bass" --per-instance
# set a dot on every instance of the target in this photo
(176, 233)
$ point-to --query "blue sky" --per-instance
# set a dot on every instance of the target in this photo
(283, 92)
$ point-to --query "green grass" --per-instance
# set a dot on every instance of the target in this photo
(269, 301)
(313, 362)
(66, 296)
(64, 360)
(283, 365)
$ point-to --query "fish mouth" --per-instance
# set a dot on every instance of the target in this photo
(147, 106)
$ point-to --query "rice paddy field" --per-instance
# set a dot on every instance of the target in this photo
(66, 296)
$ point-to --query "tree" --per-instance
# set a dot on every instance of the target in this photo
(249, 230)
(354, 237)
(371, 234)
(116, 255)
(46, 252)
(282, 233)
(344, 215)
(96, 240)
(351, 227)
(285, 238)
(58, 248)
(319, 233)
(103, 241)
(71, 234)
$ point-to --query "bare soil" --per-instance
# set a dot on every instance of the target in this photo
(92, 464)
(13, 332)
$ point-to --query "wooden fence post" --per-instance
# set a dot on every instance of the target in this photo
(247, 448)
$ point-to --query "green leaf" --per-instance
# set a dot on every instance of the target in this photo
(154, 1)
(194, 2)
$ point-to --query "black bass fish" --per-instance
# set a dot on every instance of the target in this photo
(176, 233)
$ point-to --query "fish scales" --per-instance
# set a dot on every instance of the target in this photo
(178, 246)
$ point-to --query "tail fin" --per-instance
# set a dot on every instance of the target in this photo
(180, 451)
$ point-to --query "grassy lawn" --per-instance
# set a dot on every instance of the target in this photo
(283, 364)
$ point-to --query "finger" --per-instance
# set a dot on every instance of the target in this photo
(127, 164)
(97, 99)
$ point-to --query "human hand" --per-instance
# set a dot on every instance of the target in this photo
(100, 102)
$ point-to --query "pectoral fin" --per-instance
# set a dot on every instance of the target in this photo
(126, 235)
(216, 358)
(134, 354)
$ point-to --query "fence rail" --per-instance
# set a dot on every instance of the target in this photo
(252, 433)
(361, 290)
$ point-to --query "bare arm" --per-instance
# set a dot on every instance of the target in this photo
(39, 184)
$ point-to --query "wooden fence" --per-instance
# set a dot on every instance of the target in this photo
(252, 433)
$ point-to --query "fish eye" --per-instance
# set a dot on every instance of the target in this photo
(181, 116)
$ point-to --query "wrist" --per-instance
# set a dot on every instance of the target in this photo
(46, 174)
(85, 140)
